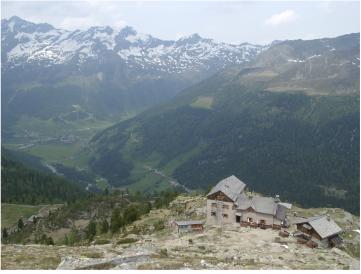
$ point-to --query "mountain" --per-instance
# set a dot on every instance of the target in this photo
(100, 72)
(287, 123)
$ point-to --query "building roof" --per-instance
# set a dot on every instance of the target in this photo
(230, 186)
(191, 222)
(323, 225)
(286, 205)
(265, 205)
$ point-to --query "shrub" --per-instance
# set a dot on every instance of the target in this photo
(127, 241)
(101, 242)
(159, 225)
(163, 252)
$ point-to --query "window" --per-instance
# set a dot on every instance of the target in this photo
(225, 215)
(225, 206)
(213, 213)
(214, 205)
(249, 220)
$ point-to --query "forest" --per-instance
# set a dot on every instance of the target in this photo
(23, 185)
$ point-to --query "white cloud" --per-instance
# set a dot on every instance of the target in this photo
(286, 16)
(78, 22)
(119, 24)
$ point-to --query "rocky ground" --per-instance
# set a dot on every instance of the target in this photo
(214, 248)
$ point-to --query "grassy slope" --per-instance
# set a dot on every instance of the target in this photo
(11, 213)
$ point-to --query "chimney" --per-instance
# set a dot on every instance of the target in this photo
(277, 198)
(328, 217)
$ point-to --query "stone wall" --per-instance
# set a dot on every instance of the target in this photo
(220, 212)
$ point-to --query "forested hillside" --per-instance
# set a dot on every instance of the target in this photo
(26, 186)
(288, 124)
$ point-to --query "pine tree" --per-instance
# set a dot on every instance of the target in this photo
(66, 240)
(105, 227)
(116, 221)
(131, 214)
(20, 224)
(49, 241)
(106, 191)
(91, 230)
(74, 236)
(5, 233)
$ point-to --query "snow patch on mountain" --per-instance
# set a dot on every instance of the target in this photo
(41, 43)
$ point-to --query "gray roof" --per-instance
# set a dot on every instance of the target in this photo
(323, 225)
(266, 205)
(286, 205)
(230, 186)
(189, 222)
(243, 202)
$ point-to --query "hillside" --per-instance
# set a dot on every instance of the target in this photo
(287, 124)
(145, 244)
(22, 185)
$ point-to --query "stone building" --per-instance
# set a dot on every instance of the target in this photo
(227, 203)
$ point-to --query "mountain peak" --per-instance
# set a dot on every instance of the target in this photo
(15, 24)
(128, 30)
(193, 38)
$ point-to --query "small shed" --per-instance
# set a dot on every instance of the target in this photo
(321, 228)
(188, 226)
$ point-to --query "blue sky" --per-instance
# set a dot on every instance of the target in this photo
(232, 22)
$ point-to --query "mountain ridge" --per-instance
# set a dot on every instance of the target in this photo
(56, 45)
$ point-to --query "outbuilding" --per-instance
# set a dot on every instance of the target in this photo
(188, 226)
(321, 229)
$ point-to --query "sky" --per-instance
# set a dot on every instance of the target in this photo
(258, 22)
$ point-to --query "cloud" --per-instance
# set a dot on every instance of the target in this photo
(77, 22)
(286, 16)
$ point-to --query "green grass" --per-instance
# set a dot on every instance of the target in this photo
(60, 153)
(102, 183)
(10, 213)
(203, 102)
(150, 182)
(67, 154)
(181, 159)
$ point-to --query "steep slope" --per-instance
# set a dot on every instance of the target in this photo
(287, 124)
(22, 185)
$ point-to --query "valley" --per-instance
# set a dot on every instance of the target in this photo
(180, 135)
(106, 114)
